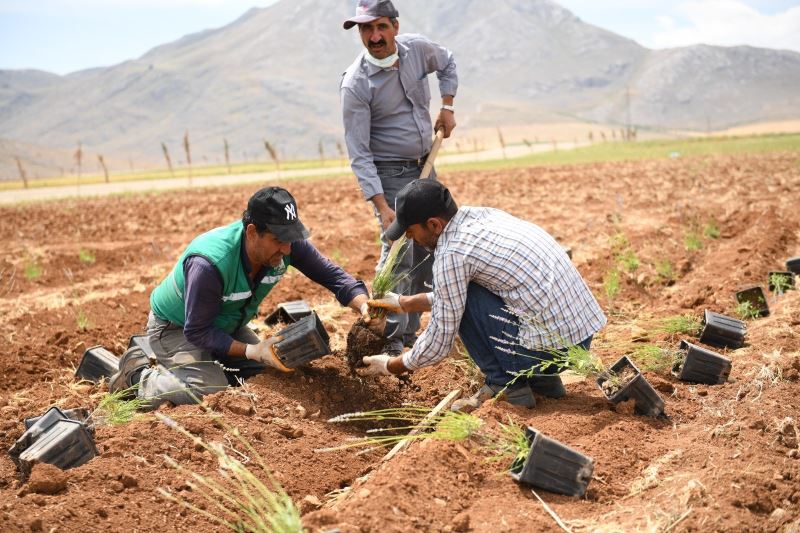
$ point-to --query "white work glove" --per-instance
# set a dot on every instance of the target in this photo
(264, 352)
(390, 303)
(377, 365)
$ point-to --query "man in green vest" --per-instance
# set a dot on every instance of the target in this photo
(199, 313)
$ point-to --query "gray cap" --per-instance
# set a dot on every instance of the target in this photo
(369, 10)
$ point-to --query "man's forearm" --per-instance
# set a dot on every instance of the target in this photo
(237, 349)
(417, 303)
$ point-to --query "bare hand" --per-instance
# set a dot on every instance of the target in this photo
(387, 217)
(445, 121)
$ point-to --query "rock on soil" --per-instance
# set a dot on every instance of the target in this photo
(47, 479)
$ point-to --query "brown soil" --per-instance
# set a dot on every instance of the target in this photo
(614, 383)
(727, 460)
(361, 341)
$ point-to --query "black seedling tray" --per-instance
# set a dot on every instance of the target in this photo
(755, 295)
(97, 364)
(35, 431)
(789, 277)
(143, 342)
(553, 466)
(288, 312)
(722, 331)
(66, 444)
(303, 341)
(648, 401)
(702, 366)
(793, 265)
(79, 413)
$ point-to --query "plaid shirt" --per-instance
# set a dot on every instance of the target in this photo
(516, 260)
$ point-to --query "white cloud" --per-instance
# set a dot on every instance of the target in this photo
(729, 23)
(60, 6)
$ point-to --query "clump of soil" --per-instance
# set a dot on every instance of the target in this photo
(617, 380)
(361, 341)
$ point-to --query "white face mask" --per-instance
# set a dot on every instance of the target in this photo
(386, 62)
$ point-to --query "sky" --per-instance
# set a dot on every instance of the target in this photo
(63, 36)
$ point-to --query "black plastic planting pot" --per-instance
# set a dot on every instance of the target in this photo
(303, 341)
(648, 402)
(143, 342)
(702, 366)
(722, 331)
(35, 431)
(289, 312)
(66, 444)
(788, 277)
(793, 265)
(97, 364)
(79, 413)
(553, 466)
(755, 297)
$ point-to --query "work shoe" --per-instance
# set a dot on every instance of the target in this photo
(548, 385)
(517, 396)
(131, 364)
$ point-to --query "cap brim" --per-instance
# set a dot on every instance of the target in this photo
(290, 232)
(395, 231)
(360, 19)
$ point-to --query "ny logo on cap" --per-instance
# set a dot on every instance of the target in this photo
(291, 212)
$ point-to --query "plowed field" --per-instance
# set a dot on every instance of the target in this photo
(78, 273)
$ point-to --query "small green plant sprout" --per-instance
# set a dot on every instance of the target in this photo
(780, 282)
(711, 230)
(665, 271)
(114, 409)
(387, 278)
(33, 270)
(611, 284)
(338, 258)
(510, 442)
(629, 261)
(681, 325)
(86, 257)
(747, 311)
(654, 358)
(619, 243)
(448, 426)
(82, 320)
(243, 498)
(692, 240)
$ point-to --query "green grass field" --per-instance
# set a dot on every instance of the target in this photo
(661, 149)
(600, 152)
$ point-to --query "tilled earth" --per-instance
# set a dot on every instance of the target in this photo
(74, 274)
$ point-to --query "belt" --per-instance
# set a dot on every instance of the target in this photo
(403, 163)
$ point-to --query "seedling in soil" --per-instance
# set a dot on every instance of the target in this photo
(756, 298)
(449, 426)
(242, 499)
(711, 231)
(681, 325)
(82, 320)
(692, 241)
(654, 358)
(629, 261)
(33, 271)
(611, 284)
(780, 282)
(86, 257)
(115, 410)
(746, 311)
(665, 271)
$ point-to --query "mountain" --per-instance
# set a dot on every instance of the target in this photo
(273, 74)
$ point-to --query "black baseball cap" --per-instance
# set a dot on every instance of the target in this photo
(417, 202)
(276, 209)
(369, 10)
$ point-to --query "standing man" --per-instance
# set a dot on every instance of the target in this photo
(199, 313)
(387, 125)
(485, 263)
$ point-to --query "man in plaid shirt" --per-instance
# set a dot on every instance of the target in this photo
(490, 269)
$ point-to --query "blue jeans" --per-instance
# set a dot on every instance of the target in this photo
(477, 329)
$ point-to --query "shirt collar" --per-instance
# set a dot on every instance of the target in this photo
(451, 228)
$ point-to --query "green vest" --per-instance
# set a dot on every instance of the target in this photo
(222, 247)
